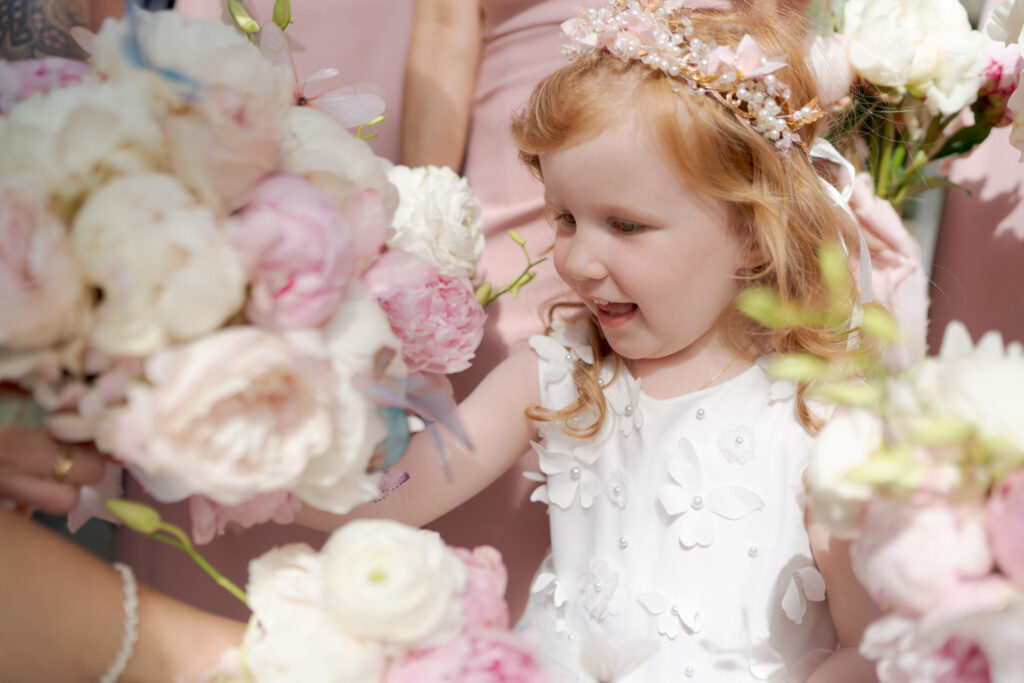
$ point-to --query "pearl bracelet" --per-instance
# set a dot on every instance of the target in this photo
(131, 623)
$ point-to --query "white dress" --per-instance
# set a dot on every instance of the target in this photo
(679, 551)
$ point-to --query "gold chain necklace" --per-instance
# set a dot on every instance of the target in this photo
(719, 373)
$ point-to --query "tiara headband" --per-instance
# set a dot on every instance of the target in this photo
(657, 34)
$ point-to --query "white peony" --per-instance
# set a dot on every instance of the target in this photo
(166, 271)
(337, 481)
(845, 442)
(319, 148)
(207, 52)
(294, 638)
(44, 300)
(390, 582)
(438, 217)
(974, 384)
(244, 411)
(75, 139)
(926, 46)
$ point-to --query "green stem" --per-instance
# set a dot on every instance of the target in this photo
(530, 264)
(885, 161)
(181, 542)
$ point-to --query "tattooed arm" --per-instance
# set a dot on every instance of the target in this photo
(41, 28)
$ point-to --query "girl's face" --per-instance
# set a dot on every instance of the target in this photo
(652, 260)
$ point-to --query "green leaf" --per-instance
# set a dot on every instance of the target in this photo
(517, 238)
(964, 140)
(929, 182)
(796, 367)
(764, 306)
(282, 14)
(847, 393)
(242, 17)
(877, 322)
(137, 516)
(939, 430)
(887, 468)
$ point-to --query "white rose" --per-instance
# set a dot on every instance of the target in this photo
(438, 217)
(208, 52)
(44, 300)
(927, 46)
(390, 582)
(74, 139)
(241, 412)
(295, 638)
(166, 271)
(319, 148)
(845, 442)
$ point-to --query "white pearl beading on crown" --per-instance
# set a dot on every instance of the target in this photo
(655, 33)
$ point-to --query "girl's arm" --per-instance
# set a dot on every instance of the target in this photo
(499, 431)
(440, 77)
(851, 607)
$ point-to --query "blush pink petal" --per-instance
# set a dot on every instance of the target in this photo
(1006, 525)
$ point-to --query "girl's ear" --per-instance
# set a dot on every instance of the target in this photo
(753, 260)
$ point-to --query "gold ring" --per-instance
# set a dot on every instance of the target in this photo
(65, 460)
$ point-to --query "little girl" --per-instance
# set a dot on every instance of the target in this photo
(673, 153)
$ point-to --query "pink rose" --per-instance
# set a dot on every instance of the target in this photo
(484, 599)
(223, 145)
(483, 657)
(297, 248)
(437, 316)
(911, 553)
(209, 518)
(1006, 525)
(22, 79)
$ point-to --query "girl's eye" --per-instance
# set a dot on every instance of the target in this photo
(624, 227)
(564, 219)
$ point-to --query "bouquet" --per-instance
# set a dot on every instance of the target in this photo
(925, 87)
(209, 276)
(921, 469)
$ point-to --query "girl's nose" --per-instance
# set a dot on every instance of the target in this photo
(583, 259)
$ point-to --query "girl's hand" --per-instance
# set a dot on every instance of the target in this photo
(41, 473)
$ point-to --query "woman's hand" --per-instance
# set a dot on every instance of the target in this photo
(43, 474)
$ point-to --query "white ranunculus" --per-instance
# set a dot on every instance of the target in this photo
(927, 46)
(390, 582)
(438, 217)
(294, 637)
(845, 442)
(44, 300)
(241, 412)
(75, 139)
(207, 52)
(166, 270)
(319, 148)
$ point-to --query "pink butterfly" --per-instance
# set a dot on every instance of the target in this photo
(352, 105)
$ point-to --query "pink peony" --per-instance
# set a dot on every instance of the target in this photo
(437, 316)
(484, 599)
(297, 248)
(911, 553)
(482, 657)
(210, 519)
(22, 79)
(1001, 75)
(1006, 525)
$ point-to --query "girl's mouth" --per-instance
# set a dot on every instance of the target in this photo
(614, 314)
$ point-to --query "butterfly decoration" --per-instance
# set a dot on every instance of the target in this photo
(352, 105)
(135, 53)
(417, 393)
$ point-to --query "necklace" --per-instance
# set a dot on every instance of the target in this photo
(719, 373)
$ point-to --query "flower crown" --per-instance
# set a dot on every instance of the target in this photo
(654, 32)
